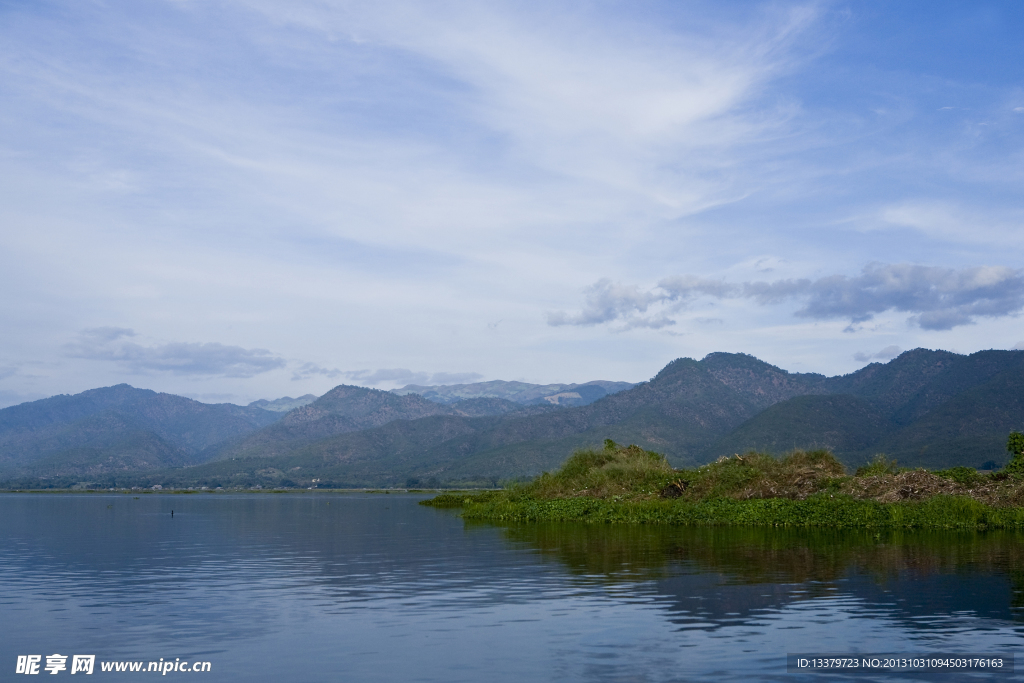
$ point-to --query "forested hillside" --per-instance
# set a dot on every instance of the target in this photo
(925, 408)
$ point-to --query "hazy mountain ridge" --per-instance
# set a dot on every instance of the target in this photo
(931, 408)
(763, 383)
(518, 392)
(694, 411)
(98, 419)
(284, 404)
(925, 408)
(346, 409)
(681, 412)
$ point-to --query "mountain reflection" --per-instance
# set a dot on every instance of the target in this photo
(720, 576)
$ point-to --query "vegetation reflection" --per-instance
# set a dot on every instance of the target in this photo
(751, 555)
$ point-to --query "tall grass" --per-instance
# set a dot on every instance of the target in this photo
(612, 472)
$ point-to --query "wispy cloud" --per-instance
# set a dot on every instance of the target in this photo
(308, 370)
(402, 377)
(939, 298)
(605, 301)
(179, 358)
(385, 376)
(579, 98)
(320, 170)
(888, 353)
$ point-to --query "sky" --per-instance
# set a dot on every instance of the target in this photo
(241, 199)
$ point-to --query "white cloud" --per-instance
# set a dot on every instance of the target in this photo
(939, 298)
(579, 101)
(307, 370)
(605, 301)
(179, 358)
(402, 377)
(886, 354)
(371, 185)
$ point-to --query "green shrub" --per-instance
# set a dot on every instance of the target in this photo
(457, 499)
(1015, 444)
(614, 471)
(967, 476)
(879, 465)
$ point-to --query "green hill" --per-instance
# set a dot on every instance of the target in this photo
(119, 423)
(681, 412)
(969, 429)
(925, 408)
(841, 423)
(346, 409)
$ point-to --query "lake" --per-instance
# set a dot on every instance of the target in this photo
(373, 587)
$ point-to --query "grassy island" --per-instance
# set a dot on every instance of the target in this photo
(626, 484)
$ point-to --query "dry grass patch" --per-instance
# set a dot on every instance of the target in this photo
(757, 475)
(997, 491)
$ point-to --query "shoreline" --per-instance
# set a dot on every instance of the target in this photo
(180, 492)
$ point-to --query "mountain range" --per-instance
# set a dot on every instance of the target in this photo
(117, 429)
(925, 408)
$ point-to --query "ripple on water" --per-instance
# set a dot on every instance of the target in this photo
(268, 586)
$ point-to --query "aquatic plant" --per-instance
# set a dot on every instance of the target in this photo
(626, 484)
(823, 510)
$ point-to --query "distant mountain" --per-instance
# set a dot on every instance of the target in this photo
(970, 427)
(925, 408)
(346, 409)
(928, 408)
(839, 422)
(681, 412)
(518, 392)
(283, 405)
(118, 428)
(760, 382)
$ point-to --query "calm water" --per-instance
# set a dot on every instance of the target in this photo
(350, 587)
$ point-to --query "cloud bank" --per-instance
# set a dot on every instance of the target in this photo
(178, 358)
(938, 298)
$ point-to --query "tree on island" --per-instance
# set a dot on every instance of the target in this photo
(1015, 444)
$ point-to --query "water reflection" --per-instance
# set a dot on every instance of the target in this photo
(302, 587)
(721, 576)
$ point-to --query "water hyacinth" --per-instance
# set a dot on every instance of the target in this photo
(620, 484)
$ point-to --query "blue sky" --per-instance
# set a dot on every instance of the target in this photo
(234, 200)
